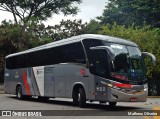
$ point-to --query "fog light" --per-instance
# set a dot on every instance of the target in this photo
(115, 87)
(145, 89)
(115, 96)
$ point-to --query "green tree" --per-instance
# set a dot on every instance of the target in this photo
(128, 12)
(12, 40)
(68, 29)
(65, 29)
(92, 27)
(38, 9)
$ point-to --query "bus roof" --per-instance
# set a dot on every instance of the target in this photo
(76, 39)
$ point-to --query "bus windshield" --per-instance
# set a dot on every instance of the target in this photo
(128, 63)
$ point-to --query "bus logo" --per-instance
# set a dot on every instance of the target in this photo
(16, 75)
(6, 113)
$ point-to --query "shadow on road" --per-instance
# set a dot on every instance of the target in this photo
(88, 106)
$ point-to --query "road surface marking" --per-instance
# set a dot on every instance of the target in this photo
(156, 108)
(146, 117)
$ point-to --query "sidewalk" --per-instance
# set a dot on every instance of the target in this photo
(1, 88)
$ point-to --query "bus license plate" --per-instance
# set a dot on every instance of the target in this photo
(133, 99)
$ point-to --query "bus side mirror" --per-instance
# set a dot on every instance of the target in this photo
(150, 55)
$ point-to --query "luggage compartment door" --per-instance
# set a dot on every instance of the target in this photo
(49, 81)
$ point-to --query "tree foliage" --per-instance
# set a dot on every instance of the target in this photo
(13, 39)
(128, 12)
(92, 27)
(39, 9)
(68, 29)
(60, 31)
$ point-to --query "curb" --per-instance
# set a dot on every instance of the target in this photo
(153, 97)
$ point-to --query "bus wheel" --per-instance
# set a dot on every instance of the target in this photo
(81, 98)
(19, 93)
(112, 104)
(75, 97)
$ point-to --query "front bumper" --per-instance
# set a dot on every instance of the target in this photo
(119, 96)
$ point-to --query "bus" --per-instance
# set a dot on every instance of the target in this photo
(87, 67)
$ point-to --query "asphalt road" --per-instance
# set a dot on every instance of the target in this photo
(63, 109)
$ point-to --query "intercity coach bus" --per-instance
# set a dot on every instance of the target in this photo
(87, 67)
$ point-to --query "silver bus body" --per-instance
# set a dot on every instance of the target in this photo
(64, 77)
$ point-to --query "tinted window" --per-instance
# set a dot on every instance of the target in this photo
(17, 61)
(91, 43)
(74, 53)
(67, 53)
(99, 63)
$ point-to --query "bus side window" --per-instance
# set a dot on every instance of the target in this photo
(19, 61)
(74, 53)
(91, 43)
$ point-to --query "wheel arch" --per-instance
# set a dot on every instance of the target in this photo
(18, 84)
(76, 86)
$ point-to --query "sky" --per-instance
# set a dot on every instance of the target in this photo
(88, 9)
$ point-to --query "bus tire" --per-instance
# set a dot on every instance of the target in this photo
(112, 104)
(82, 98)
(19, 93)
(75, 98)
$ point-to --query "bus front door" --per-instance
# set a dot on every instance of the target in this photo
(99, 66)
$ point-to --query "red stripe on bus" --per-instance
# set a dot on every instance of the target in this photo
(26, 85)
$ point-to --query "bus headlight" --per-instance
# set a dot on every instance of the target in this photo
(107, 84)
(114, 87)
(110, 85)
